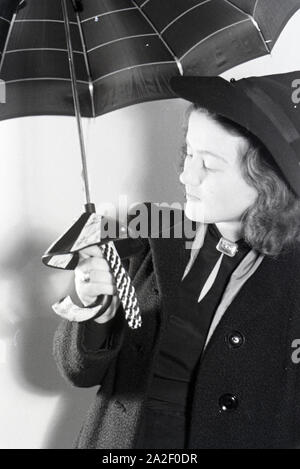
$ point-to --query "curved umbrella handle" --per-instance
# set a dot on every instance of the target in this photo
(67, 309)
(90, 229)
(101, 300)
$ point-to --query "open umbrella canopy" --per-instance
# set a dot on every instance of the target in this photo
(125, 51)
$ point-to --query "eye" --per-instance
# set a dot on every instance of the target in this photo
(212, 170)
(187, 154)
(210, 166)
(207, 167)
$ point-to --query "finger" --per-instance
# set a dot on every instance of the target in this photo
(92, 263)
(90, 251)
(95, 276)
(101, 276)
(96, 289)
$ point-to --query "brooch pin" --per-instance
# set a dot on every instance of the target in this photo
(227, 247)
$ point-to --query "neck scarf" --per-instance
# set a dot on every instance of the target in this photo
(241, 274)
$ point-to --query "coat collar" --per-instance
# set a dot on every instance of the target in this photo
(252, 299)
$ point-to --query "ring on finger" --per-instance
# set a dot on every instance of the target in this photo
(86, 277)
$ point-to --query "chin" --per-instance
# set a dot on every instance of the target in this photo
(194, 210)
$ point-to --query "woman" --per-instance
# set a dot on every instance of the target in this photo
(214, 364)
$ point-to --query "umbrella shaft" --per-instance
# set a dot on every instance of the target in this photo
(76, 102)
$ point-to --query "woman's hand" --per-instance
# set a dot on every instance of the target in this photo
(92, 265)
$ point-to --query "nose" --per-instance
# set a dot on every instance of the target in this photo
(192, 174)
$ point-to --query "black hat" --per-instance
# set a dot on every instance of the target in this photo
(268, 107)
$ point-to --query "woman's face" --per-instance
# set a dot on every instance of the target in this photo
(215, 188)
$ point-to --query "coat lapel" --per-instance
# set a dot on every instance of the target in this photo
(258, 293)
(171, 253)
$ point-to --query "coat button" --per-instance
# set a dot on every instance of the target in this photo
(235, 339)
(228, 402)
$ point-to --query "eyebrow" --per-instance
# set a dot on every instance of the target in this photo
(207, 152)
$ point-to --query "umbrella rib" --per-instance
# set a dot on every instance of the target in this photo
(44, 21)
(131, 67)
(45, 78)
(95, 17)
(211, 35)
(145, 3)
(86, 60)
(254, 9)
(254, 22)
(4, 19)
(183, 14)
(120, 39)
(7, 39)
(13, 51)
(164, 42)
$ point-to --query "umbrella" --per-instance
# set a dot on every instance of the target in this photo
(89, 57)
(125, 51)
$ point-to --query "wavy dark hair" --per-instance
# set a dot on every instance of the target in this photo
(271, 225)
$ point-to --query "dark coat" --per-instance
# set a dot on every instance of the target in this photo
(260, 377)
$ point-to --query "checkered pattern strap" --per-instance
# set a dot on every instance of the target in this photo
(125, 288)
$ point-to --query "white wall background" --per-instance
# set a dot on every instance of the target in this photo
(132, 152)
